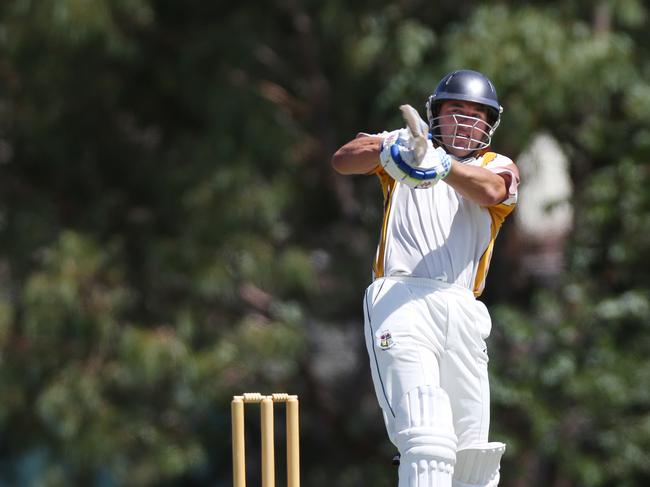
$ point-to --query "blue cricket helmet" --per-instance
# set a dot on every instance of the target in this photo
(466, 85)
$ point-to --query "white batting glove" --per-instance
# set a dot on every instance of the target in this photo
(408, 156)
(419, 130)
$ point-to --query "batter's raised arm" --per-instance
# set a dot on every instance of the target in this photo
(482, 186)
(359, 156)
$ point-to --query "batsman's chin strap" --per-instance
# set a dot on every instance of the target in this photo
(463, 160)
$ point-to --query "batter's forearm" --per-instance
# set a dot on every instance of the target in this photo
(359, 156)
(477, 184)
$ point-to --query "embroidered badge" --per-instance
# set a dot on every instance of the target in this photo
(385, 340)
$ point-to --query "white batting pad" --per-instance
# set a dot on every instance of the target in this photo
(479, 465)
(425, 438)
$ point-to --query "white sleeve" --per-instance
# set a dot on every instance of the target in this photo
(499, 165)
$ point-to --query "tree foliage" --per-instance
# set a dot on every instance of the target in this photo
(171, 232)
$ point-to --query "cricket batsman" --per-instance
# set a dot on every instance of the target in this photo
(446, 195)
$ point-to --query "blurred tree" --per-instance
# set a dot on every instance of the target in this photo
(171, 232)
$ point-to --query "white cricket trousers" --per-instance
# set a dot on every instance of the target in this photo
(426, 332)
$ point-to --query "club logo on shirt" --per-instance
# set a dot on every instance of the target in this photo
(385, 340)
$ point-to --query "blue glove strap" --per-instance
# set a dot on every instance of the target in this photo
(411, 171)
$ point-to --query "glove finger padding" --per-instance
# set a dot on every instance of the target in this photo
(399, 159)
(419, 129)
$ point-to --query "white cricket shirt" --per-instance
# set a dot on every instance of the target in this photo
(436, 233)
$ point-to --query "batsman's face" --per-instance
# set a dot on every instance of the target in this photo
(463, 126)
